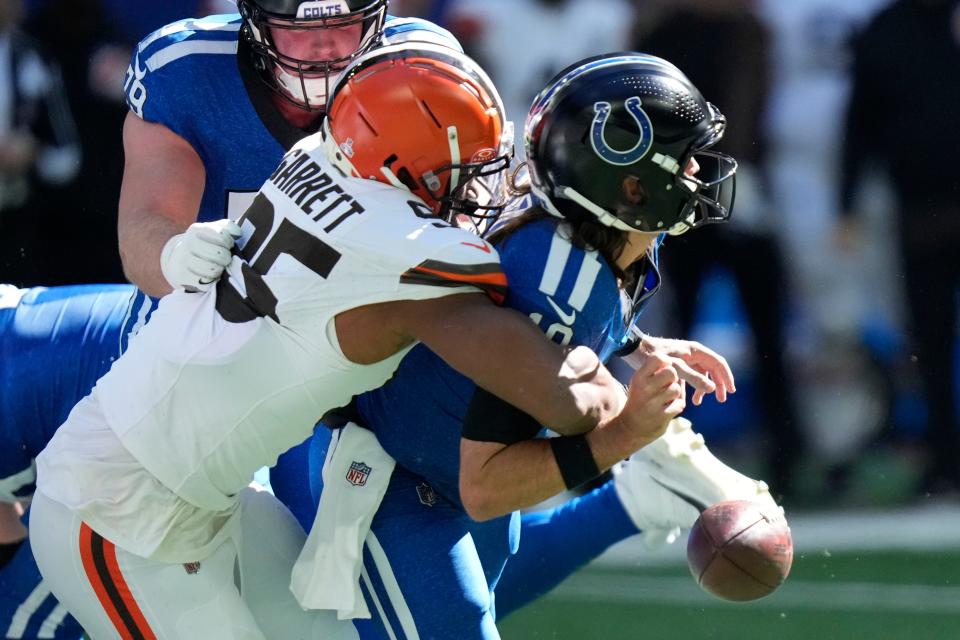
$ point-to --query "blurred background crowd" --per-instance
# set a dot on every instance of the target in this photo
(832, 291)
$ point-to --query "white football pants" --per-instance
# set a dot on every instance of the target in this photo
(240, 592)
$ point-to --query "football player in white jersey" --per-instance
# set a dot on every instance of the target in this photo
(140, 514)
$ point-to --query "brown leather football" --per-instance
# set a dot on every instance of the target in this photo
(738, 551)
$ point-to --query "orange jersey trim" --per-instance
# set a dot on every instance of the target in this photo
(488, 277)
(99, 557)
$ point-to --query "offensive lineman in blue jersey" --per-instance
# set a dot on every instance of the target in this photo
(54, 344)
(214, 105)
(581, 263)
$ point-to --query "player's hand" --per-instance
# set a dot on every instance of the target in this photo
(702, 368)
(654, 398)
(195, 258)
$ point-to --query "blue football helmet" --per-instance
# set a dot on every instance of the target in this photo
(613, 136)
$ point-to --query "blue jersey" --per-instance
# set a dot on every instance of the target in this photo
(572, 294)
(574, 297)
(187, 77)
(54, 345)
(195, 78)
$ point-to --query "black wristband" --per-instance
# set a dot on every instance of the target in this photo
(631, 345)
(575, 460)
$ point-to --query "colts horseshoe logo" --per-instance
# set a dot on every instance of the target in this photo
(634, 153)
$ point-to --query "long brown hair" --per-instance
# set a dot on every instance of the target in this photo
(584, 232)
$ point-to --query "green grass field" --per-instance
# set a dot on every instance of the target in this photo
(887, 595)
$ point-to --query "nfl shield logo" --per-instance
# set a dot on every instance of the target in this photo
(427, 495)
(358, 473)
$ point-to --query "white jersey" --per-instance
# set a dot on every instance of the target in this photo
(220, 384)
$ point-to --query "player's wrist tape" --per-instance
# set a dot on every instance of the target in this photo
(575, 460)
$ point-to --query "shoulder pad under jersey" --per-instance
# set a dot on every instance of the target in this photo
(171, 66)
(400, 30)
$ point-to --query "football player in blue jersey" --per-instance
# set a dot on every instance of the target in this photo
(54, 344)
(63, 473)
(618, 157)
(105, 351)
(89, 319)
(214, 105)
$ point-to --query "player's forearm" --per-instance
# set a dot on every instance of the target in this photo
(496, 480)
(142, 235)
(506, 354)
(570, 393)
(11, 529)
(163, 183)
(596, 394)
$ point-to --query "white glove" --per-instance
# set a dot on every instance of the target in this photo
(195, 258)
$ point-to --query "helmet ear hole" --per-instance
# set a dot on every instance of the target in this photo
(404, 176)
(633, 191)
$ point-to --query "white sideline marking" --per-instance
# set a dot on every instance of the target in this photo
(849, 596)
(926, 528)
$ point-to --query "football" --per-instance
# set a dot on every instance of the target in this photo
(739, 550)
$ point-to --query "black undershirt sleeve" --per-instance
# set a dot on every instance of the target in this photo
(7, 551)
(490, 419)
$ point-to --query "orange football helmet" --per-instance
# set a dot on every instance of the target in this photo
(422, 117)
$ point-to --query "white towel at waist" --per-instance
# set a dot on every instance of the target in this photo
(355, 477)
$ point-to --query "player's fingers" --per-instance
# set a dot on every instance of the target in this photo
(232, 229)
(651, 364)
(697, 398)
(220, 236)
(721, 390)
(694, 378)
(206, 271)
(674, 408)
(669, 394)
(663, 378)
(721, 393)
(717, 366)
(212, 253)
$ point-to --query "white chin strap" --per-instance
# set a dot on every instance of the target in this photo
(290, 84)
(667, 163)
(603, 216)
(454, 139)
